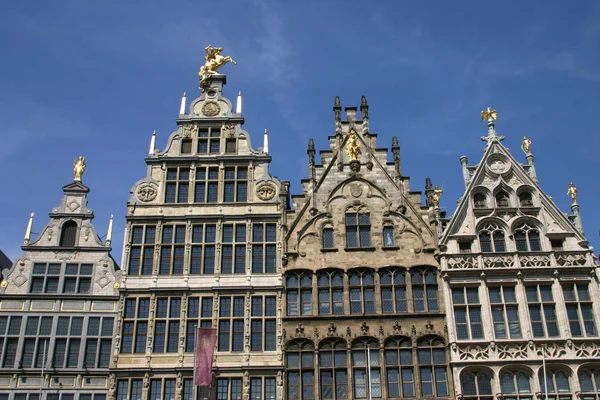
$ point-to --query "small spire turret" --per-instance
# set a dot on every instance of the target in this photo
(109, 231)
(265, 142)
(238, 104)
(182, 106)
(28, 230)
(152, 148)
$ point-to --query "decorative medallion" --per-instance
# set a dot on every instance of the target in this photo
(4, 284)
(266, 191)
(210, 109)
(356, 189)
(147, 191)
(498, 166)
(19, 280)
(73, 205)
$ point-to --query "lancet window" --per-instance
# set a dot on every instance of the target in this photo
(301, 371)
(425, 290)
(516, 385)
(333, 375)
(331, 292)
(393, 290)
(364, 371)
(557, 382)
(527, 238)
(399, 367)
(431, 354)
(491, 239)
(476, 386)
(589, 381)
(362, 291)
(299, 293)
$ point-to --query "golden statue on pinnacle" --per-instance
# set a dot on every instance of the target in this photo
(214, 61)
(572, 192)
(352, 147)
(490, 114)
(526, 146)
(78, 168)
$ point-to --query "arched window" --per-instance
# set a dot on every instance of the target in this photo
(431, 354)
(515, 385)
(425, 290)
(331, 292)
(527, 238)
(299, 293)
(68, 234)
(300, 370)
(361, 373)
(502, 200)
(328, 242)
(399, 367)
(525, 199)
(388, 236)
(476, 386)
(491, 239)
(557, 382)
(479, 200)
(589, 380)
(362, 291)
(358, 229)
(333, 375)
(393, 290)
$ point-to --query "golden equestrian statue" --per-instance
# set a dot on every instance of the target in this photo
(437, 195)
(214, 61)
(490, 114)
(352, 147)
(572, 192)
(78, 168)
(526, 146)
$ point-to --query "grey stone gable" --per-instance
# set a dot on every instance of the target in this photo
(518, 175)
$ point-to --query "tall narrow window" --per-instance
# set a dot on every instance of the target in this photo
(579, 309)
(362, 291)
(68, 234)
(299, 293)
(135, 325)
(333, 375)
(233, 253)
(331, 292)
(206, 185)
(505, 312)
(476, 386)
(542, 311)
(172, 250)
(393, 291)
(491, 239)
(141, 255)
(527, 238)
(360, 371)
(166, 325)
(300, 370)
(264, 239)
(202, 255)
(431, 354)
(515, 385)
(589, 381)
(328, 242)
(557, 382)
(358, 229)
(236, 184)
(467, 313)
(209, 140)
(199, 311)
(425, 290)
(263, 331)
(177, 185)
(388, 236)
(231, 324)
(399, 367)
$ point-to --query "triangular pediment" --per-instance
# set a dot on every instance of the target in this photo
(75, 187)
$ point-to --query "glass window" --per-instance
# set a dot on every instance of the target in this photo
(425, 290)
(358, 229)
(300, 370)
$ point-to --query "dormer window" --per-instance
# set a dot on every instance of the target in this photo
(68, 234)
(479, 200)
(525, 199)
(502, 200)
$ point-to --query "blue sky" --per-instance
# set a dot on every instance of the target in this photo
(96, 78)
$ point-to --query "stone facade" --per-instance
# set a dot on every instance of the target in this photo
(58, 306)
(361, 277)
(203, 246)
(521, 287)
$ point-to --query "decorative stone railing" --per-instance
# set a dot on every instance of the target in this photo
(519, 260)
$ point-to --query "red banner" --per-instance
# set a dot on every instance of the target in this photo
(205, 347)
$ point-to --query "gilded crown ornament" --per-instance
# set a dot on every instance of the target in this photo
(572, 192)
(214, 60)
(490, 115)
(79, 168)
(526, 146)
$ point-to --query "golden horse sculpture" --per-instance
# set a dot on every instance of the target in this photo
(214, 61)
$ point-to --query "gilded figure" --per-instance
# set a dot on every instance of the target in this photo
(352, 147)
(437, 195)
(490, 115)
(572, 192)
(526, 146)
(79, 168)
(214, 60)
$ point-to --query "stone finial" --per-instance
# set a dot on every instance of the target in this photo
(336, 103)
(28, 230)
(396, 154)
(152, 148)
(428, 192)
(182, 106)
(363, 101)
(238, 104)
(364, 108)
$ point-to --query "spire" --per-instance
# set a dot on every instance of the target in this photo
(152, 144)
(265, 142)
(491, 116)
(337, 115)
(182, 107)
(311, 158)
(463, 162)
(396, 153)
(428, 192)
(238, 105)
(109, 232)
(28, 230)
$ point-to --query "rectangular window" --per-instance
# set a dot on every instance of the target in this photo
(141, 255)
(199, 311)
(358, 230)
(172, 250)
(235, 184)
(542, 310)
(166, 329)
(229, 389)
(206, 185)
(233, 255)
(263, 331)
(328, 238)
(230, 145)
(202, 255)
(505, 312)
(177, 185)
(231, 324)
(186, 146)
(135, 325)
(467, 313)
(209, 140)
(579, 309)
(45, 277)
(388, 236)
(264, 244)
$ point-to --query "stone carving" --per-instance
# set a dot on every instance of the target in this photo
(570, 260)
(397, 327)
(146, 192)
(332, 330)
(534, 261)
(498, 261)
(473, 353)
(587, 350)
(364, 328)
(356, 189)
(551, 350)
(512, 351)
(429, 326)
(266, 190)
(316, 333)
(462, 262)
(211, 109)
(300, 329)
(189, 130)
